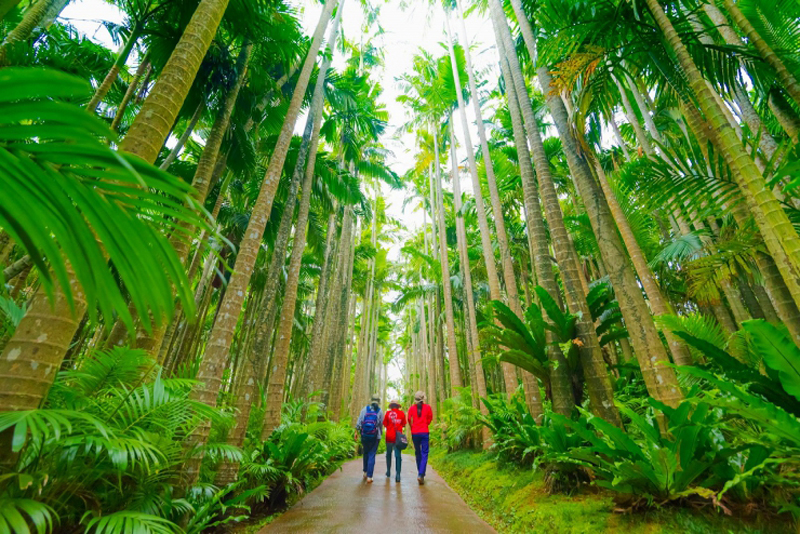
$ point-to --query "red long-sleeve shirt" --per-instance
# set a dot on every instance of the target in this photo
(419, 422)
(393, 421)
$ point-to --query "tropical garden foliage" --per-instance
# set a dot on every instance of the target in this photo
(196, 284)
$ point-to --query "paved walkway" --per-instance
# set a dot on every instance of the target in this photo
(345, 503)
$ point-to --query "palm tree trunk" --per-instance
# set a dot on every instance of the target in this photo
(277, 261)
(338, 350)
(455, 378)
(201, 183)
(176, 150)
(231, 305)
(34, 353)
(144, 66)
(661, 381)
(781, 239)
(497, 210)
(596, 375)
(277, 378)
(644, 142)
(254, 372)
(32, 19)
(786, 116)
(152, 125)
(315, 375)
(474, 344)
(749, 114)
(11, 272)
(786, 78)
(122, 57)
(658, 304)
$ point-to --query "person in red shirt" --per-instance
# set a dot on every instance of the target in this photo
(420, 416)
(394, 421)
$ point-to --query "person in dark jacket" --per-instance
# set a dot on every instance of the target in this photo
(369, 426)
(420, 416)
(394, 421)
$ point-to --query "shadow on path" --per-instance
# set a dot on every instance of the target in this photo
(345, 503)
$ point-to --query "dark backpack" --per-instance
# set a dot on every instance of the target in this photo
(369, 426)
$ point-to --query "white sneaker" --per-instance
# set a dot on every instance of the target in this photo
(369, 481)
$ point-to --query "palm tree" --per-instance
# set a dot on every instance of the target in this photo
(218, 348)
(154, 121)
(657, 302)
(598, 382)
(472, 324)
(661, 381)
(77, 210)
(782, 241)
(447, 288)
(788, 80)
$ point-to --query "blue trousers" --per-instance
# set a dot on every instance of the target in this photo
(421, 442)
(397, 455)
(370, 446)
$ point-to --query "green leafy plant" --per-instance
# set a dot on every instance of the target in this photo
(66, 193)
(458, 421)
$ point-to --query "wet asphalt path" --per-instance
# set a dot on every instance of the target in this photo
(344, 503)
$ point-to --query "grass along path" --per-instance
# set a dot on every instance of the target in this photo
(513, 500)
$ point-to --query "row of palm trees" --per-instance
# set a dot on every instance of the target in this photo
(644, 145)
(275, 252)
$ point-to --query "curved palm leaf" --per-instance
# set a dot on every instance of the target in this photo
(71, 202)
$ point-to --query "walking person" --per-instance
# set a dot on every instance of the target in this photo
(420, 416)
(369, 426)
(395, 422)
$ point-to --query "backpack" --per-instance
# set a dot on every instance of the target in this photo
(369, 426)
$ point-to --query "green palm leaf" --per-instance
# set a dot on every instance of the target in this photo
(779, 353)
(71, 202)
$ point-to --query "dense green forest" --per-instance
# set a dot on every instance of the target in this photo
(595, 274)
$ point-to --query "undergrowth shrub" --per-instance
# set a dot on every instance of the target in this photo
(106, 453)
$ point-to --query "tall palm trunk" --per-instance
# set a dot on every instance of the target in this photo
(144, 66)
(658, 304)
(316, 368)
(455, 377)
(34, 353)
(154, 121)
(201, 184)
(483, 223)
(338, 353)
(786, 78)
(749, 114)
(786, 116)
(176, 150)
(277, 260)
(122, 57)
(218, 348)
(253, 373)
(361, 360)
(37, 13)
(280, 358)
(781, 239)
(597, 378)
(472, 323)
(494, 196)
(780, 296)
(660, 380)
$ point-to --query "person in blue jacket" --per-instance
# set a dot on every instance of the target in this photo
(369, 427)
